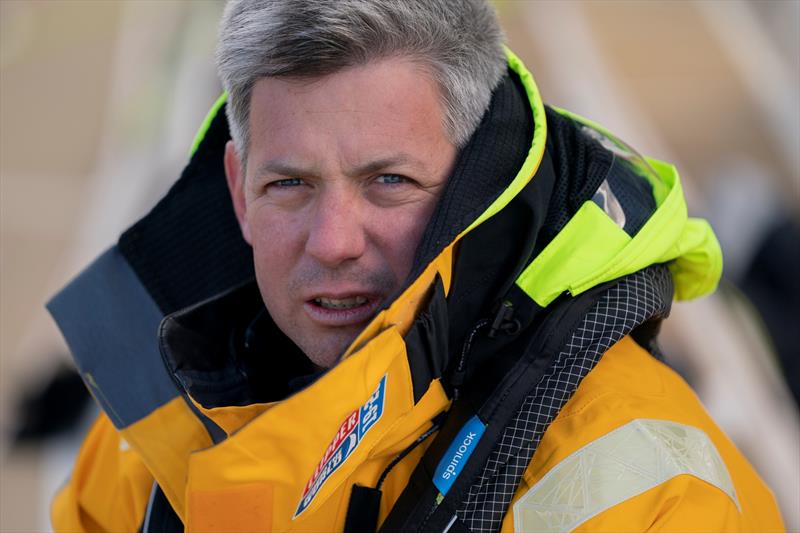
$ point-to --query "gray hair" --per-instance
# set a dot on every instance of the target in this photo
(458, 42)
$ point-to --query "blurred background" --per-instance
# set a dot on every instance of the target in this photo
(99, 102)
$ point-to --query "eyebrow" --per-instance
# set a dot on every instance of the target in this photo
(286, 168)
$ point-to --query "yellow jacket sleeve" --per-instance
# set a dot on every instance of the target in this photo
(685, 504)
(109, 486)
(634, 450)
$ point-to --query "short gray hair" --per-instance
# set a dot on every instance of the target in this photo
(459, 43)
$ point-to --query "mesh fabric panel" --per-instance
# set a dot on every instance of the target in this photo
(581, 165)
(635, 299)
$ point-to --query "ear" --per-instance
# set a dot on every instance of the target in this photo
(235, 178)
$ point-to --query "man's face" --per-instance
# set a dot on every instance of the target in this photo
(343, 174)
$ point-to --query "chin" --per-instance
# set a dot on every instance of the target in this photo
(326, 356)
(325, 360)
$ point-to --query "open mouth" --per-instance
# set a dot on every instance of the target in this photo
(341, 303)
(342, 311)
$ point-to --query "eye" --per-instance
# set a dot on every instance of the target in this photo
(288, 182)
(284, 186)
(391, 179)
(285, 191)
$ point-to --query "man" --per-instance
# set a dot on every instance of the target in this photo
(452, 324)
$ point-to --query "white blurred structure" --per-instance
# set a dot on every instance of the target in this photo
(158, 79)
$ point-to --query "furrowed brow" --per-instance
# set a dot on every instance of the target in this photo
(290, 170)
(377, 165)
(284, 168)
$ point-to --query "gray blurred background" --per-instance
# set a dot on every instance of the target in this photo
(100, 100)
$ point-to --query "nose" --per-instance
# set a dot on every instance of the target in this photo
(336, 232)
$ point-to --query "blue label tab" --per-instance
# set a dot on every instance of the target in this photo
(457, 454)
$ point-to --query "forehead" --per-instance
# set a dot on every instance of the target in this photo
(380, 105)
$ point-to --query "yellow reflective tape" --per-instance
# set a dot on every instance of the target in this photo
(616, 467)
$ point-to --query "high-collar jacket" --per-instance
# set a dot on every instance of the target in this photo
(513, 382)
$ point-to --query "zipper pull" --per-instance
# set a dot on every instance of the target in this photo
(503, 316)
(457, 378)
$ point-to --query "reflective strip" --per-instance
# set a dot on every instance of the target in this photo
(609, 203)
(616, 467)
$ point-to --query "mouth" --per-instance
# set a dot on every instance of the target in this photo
(340, 311)
(342, 303)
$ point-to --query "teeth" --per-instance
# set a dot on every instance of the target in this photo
(344, 303)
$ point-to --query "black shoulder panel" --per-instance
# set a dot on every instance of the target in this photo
(189, 247)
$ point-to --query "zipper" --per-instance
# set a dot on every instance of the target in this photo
(503, 321)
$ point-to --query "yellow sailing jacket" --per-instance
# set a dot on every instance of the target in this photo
(506, 386)
(110, 485)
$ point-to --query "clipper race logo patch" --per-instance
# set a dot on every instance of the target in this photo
(344, 442)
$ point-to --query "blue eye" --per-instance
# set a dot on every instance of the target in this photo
(391, 179)
(288, 182)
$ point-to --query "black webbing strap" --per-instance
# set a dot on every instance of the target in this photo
(362, 511)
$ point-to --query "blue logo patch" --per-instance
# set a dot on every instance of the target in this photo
(344, 442)
(457, 454)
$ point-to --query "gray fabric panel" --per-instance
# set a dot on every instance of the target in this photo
(111, 326)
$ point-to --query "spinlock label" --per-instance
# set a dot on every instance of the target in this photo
(457, 454)
(344, 443)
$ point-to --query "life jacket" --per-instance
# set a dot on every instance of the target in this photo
(552, 243)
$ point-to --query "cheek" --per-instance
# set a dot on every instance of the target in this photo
(273, 229)
(276, 241)
(400, 235)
